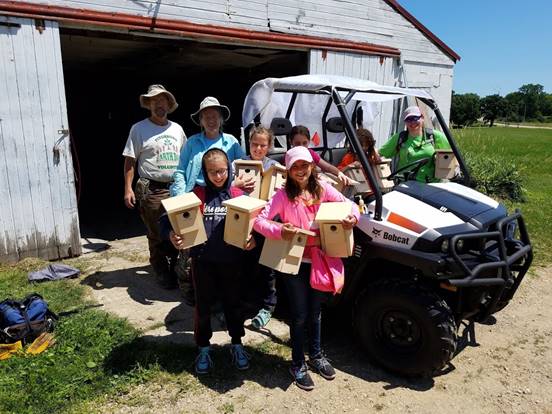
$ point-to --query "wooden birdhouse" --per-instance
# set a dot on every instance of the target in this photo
(445, 164)
(250, 168)
(332, 180)
(285, 255)
(382, 170)
(186, 218)
(357, 175)
(240, 215)
(273, 179)
(334, 239)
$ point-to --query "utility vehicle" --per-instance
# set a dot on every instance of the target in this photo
(428, 257)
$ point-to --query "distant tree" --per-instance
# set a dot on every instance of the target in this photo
(492, 107)
(464, 109)
(533, 98)
(514, 106)
(546, 107)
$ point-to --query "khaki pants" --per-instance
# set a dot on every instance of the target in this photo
(162, 253)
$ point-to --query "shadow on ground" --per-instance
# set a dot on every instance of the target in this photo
(268, 370)
(169, 344)
(346, 355)
(139, 282)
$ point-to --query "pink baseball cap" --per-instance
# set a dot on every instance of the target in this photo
(411, 111)
(297, 154)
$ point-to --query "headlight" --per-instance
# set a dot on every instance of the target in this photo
(445, 246)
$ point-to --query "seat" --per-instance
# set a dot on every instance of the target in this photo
(281, 127)
(334, 155)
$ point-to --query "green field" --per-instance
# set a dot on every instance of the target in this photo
(530, 150)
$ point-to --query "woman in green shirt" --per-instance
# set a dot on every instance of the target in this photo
(418, 144)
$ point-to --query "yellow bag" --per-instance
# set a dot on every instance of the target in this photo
(41, 343)
(6, 350)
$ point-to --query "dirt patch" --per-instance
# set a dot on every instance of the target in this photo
(122, 282)
(510, 371)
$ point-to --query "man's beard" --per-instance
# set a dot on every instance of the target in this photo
(160, 112)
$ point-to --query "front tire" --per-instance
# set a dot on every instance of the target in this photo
(405, 327)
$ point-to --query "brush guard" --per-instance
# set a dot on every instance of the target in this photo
(502, 254)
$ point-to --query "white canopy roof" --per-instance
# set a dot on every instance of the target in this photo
(264, 94)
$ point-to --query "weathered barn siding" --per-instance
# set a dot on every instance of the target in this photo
(436, 79)
(369, 21)
(38, 211)
(381, 70)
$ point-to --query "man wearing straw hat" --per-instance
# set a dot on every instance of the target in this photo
(153, 148)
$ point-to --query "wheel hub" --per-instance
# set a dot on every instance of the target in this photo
(400, 329)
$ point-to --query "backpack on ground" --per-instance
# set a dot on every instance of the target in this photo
(25, 320)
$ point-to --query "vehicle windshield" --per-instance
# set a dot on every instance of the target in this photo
(307, 100)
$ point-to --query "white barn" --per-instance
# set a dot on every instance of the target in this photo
(72, 71)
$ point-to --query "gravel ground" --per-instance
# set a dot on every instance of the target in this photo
(510, 371)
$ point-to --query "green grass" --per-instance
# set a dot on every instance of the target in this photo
(99, 359)
(530, 150)
(86, 362)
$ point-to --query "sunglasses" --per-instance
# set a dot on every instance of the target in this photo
(411, 119)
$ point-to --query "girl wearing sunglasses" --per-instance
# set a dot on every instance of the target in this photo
(416, 143)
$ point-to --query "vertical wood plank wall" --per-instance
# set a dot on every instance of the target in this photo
(383, 71)
(370, 21)
(38, 214)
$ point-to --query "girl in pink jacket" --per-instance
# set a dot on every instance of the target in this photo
(297, 205)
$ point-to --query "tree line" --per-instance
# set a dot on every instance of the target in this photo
(529, 104)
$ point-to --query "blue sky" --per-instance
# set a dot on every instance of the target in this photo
(503, 44)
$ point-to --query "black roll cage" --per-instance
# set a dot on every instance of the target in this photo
(335, 97)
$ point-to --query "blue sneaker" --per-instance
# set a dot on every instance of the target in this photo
(203, 362)
(240, 358)
(262, 319)
(301, 377)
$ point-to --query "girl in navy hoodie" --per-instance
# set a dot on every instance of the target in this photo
(215, 264)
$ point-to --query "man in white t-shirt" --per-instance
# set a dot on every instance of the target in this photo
(153, 147)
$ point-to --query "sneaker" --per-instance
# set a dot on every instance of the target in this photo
(262, 319)
(203, 362)
(240, 358)
(301, 376)
(322, 366)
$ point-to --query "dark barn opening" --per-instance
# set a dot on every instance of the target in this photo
(104, 75)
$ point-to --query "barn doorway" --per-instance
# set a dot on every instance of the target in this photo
(104, 75)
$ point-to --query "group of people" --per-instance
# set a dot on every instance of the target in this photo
(169, 164)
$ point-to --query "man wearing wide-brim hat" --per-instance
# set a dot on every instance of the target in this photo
(153, 147)
(210, 116)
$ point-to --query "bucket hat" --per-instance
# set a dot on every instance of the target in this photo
(210, 102)
(154, 90)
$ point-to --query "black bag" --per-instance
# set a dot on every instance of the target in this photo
(25, 320)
